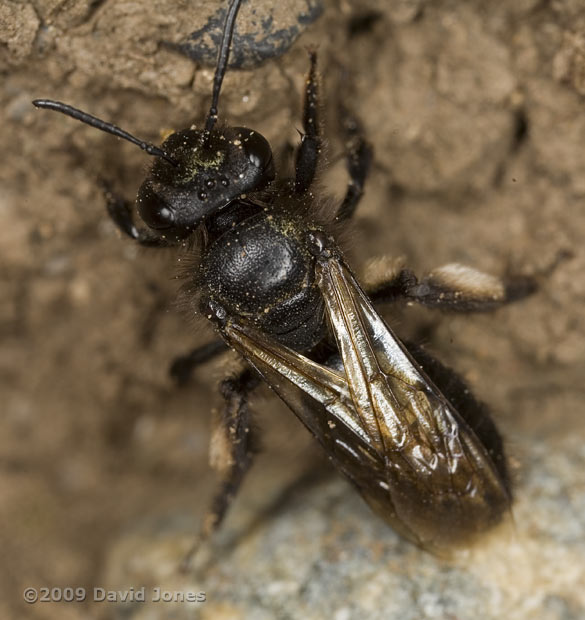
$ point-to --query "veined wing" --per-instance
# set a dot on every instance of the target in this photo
(383, 422)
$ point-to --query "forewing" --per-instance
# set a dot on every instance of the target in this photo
(442, 482)
(304, 384)
(320, 398)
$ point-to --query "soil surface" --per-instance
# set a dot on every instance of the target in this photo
(476, 113)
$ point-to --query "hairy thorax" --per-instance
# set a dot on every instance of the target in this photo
(261, 271)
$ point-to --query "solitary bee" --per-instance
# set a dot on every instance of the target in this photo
(270, 275)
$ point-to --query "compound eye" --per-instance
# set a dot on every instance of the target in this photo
(259, 153)
(153, 211)
(159, 218)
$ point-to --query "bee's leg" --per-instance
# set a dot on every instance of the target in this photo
(310, 148)
(183, 365)
(231, 450)
(453, 287)
(120, 211)
(359, 159)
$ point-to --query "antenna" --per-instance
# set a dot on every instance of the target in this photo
(93, 121)
(222, 61)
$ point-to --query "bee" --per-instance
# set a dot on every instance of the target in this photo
(270, 275)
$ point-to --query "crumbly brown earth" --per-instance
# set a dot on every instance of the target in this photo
(477, 118)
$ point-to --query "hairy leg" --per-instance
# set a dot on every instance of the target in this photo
(453, 287)
(359, 159)
(231, 451)
(183, 365)
(310, 148)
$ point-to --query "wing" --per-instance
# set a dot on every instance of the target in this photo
(383, 422)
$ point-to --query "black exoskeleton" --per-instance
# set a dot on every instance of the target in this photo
(272, 279)
(262, 270)
(211, 170)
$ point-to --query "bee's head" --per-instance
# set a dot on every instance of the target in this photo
(208, 170)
